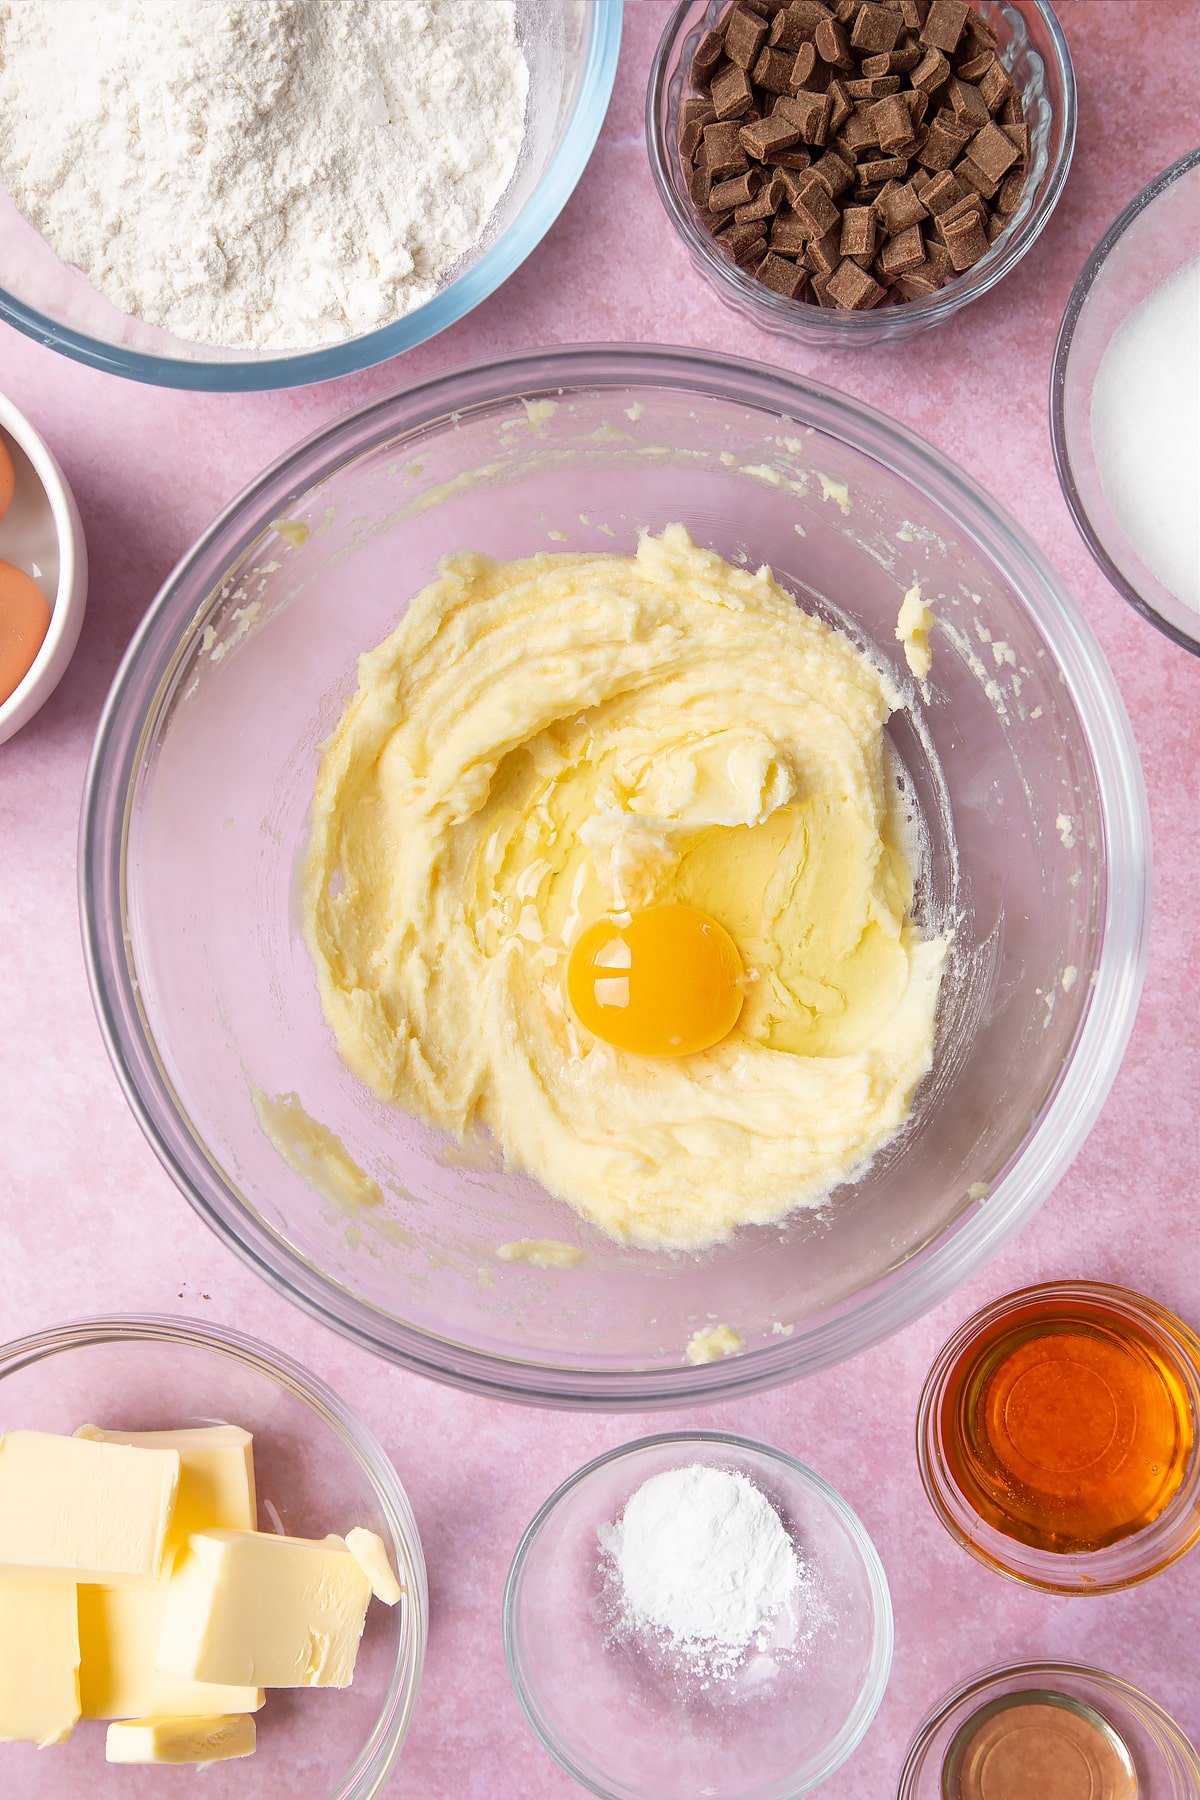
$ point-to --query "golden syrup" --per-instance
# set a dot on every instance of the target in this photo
(1067, 1423)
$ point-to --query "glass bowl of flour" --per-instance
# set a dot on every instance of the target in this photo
(1125, 402)
(1030, 846)
(234, 198)
(696, 1613)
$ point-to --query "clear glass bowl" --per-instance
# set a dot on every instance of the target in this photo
(317, 1469)
(195, 816)
(776, 1740)
(1035, 52)
(1166, 1763)
(1147, 1552)
(1157, 233)
(571, 47)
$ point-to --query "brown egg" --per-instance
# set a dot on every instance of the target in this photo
(24, 622)
(8, 480)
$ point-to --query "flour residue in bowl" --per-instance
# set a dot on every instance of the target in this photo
(272, 174)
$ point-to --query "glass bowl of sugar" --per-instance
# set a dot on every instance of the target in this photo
(1125, 402)
(717, 1599)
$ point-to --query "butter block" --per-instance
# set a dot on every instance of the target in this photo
(244, 1606)
(39, 1662)
(370, 1553)
(119, 1627)
(217, 1739)
(80, 1511)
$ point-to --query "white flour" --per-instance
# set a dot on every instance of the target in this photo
(268, 174)
(702, 1558)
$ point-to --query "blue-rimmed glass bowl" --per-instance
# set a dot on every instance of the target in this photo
(571, 47)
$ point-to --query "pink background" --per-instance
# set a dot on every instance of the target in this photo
(88, 1221)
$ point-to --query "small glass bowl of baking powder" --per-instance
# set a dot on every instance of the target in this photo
(1034, 50)
(1001, 1734)
(1128, 343)
(634, 1713)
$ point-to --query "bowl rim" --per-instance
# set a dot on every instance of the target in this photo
(790, 318)
(978, 1686)
(930, 1273)
(70, 598)
(870, 1695)
(597, 74)
(1077, 300)
(378, 1756)
(1167, 1538)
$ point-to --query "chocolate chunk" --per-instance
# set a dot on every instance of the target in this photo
(876, 88)
(997, 223)
(806, 70)
(843, 106)
(904, 58)
(941, 192)
(966, 103)
(732, 94)
(893, 124)
(699, 187)
(709, 52)
(788, 161)
(797, 23)
(814, 206)
(852, 288)
(918, 283)
(745, 35)
(966, 241)
(937, 260)
(783, 275)
(740, 240)
(979, 32)
(811, 113)
(820, 287)
(721, 151)
(968, 170)
(834, 173)
(944, 24)
(739, 190)
(1019, 135)
(993, 151)
(944, 145)
(875, 28)
(823, 254)
(773, 71)
(885, 168)
(765, 135)
(918, 106)
(1008, 198)
(932, 70)
(860, 232)
(696, 109)
(833, 45)
(904, 251)
(974, 67)
(789, 232)
(913, 13)
(899, 206)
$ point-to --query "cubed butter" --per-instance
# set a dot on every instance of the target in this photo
(217, 1739)
(79, 1511)
(119, 1627)
(247, 1607)
(39, 1662)
(370, 1553)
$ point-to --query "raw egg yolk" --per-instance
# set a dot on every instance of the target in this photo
(24, 622)
(667, 982)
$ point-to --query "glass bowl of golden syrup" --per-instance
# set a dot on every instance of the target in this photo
(1058, 1731)
(1057, 1437)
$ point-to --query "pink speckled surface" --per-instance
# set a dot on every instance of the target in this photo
(89, 1222)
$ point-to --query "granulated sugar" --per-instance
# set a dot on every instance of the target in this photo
(1146, 431)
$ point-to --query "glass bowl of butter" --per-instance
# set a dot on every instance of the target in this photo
(235, 1523)
(620, 504)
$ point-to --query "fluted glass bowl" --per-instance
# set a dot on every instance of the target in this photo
(571, 48)
(1021, 762)
(1035, 52)
(317, 1470)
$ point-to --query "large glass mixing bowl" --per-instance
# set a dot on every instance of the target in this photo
(571, 48)
(1019, 757)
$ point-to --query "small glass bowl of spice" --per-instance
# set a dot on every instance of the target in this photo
(1057, 1437)
(853, 172)
(697, 1613)
(1049, 1729)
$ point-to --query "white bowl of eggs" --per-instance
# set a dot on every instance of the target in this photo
(43, 571)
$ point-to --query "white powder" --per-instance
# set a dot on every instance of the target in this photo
(1146, 431)
(702, 1558)
(268, 174)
